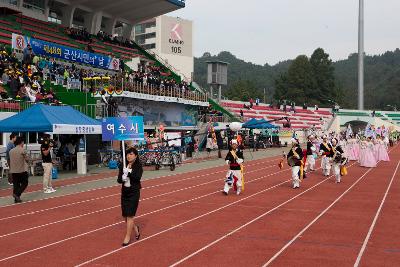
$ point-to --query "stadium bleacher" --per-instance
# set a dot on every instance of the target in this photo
(301, 119)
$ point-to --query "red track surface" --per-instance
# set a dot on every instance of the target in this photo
(186, 220)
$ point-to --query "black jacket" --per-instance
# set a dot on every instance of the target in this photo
(326, 151)
(135, 175)
(299, 151)
(233, 165)
(309, 146)
(339, 149)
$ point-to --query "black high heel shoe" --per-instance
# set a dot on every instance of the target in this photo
(137, 237)
(126, 244)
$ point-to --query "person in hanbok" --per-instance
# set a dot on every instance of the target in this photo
(367, 155)
(338, 159)
(311, 152)
(325, 149)
(349, 150)
(381, 150)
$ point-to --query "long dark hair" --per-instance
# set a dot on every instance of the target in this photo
(134, 151)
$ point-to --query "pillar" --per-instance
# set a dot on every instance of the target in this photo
(68, 16)
(127, 31)
(110, 25)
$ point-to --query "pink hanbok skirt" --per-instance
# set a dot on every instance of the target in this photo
(367, 158)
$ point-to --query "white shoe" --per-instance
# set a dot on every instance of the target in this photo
(51, 189)
(47, 191)
(238, 192)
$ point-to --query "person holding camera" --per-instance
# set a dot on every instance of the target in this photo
(47, 164)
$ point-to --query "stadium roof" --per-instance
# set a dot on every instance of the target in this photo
(132, 11)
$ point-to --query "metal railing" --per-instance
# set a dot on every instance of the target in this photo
(168, 91)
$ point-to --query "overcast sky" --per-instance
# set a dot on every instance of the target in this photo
(269, 31)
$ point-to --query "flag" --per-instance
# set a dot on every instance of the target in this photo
(280, 164)
(368, 131)
(242, 172)
(349, 131)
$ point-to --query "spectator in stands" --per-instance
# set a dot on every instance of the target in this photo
(251, 102)
(26, 51)
(305, 106)
(14, 85)
(373, 113)
(241, 114)
(19, 169)
(3, 93)
(316, 107)
(28, 55)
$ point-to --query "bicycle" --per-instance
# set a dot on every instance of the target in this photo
(106, 157)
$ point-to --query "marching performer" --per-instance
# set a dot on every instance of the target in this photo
(381, 150)
(234, 176)
(367, 157)
(325, 150)
(294, 158)
(310, 162)
(338, 159)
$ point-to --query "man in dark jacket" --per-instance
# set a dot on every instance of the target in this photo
(295, 157)
(234, 160)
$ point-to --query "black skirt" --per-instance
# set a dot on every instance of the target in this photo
(129, 201)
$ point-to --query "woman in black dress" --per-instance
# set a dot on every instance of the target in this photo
(130, 192)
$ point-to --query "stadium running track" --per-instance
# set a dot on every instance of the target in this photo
(186, 220)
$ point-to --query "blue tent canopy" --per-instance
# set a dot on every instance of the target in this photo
(55, 119)
(258, 124)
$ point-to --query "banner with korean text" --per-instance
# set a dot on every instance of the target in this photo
(53, 50)
(123, 128)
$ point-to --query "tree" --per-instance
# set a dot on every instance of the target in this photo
(243, 90)
(324, 75)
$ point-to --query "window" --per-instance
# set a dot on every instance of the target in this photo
(149, 46)
(150, 35)
(214, 67)
(37, 5)
(54, 20)
(11, 2)
(139, 29)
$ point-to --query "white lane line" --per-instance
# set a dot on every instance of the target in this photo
(246, 224)
(117, 194)
(113, 207)
(317, 218)
(179, 225)
(360, 254)
(313, 221)
(114, 224)
(111, 186)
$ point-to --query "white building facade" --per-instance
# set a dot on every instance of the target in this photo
(171, 40)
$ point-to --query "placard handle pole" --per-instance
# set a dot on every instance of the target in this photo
(123, 154)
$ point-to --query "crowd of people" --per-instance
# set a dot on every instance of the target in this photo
(83, 35)
(335, 152)
(155, 77)
(25, 78)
